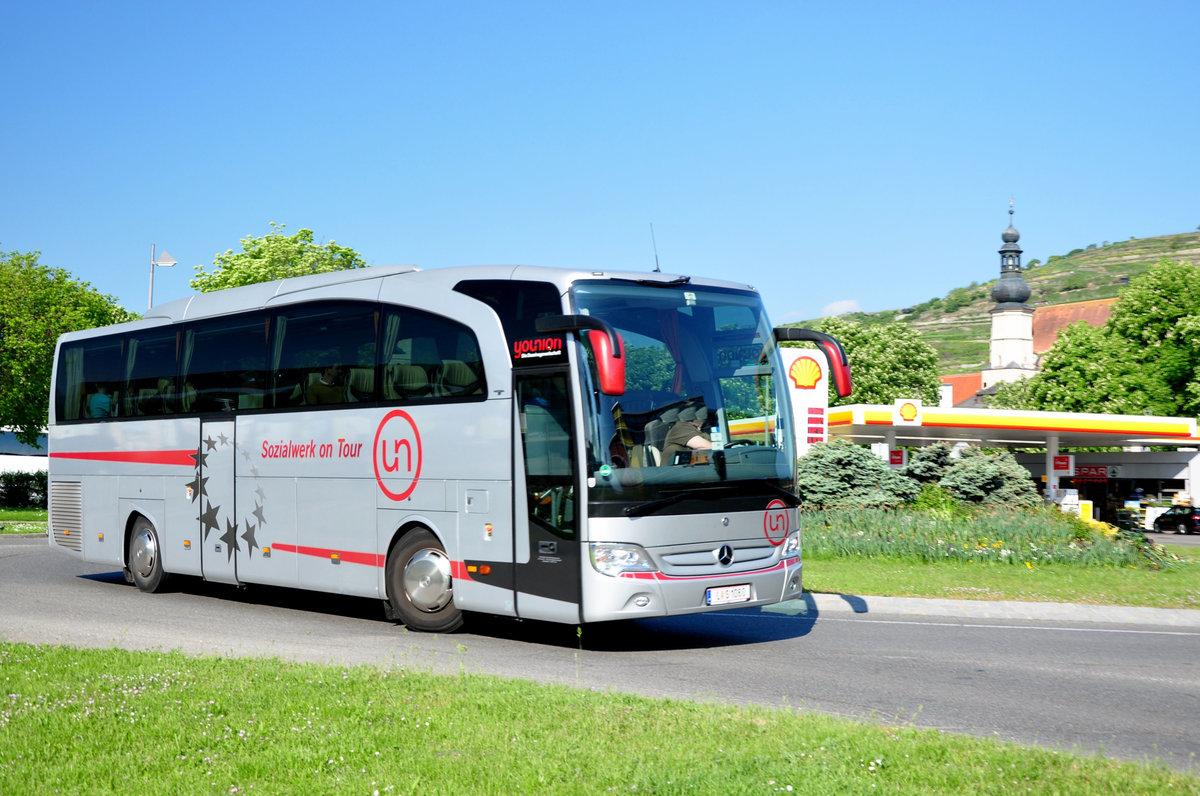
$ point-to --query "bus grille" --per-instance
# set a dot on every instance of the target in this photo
(702, 560)
(66, 514)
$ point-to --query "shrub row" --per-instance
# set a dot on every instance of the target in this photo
(841, 475)
(23, 490)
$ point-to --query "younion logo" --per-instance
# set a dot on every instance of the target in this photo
(397, 455)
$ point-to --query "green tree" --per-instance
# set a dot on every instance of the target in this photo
(887, 362)
(275, 256)
(1144, 360)
(1089, 370)
(37, 304)
(1158, 319)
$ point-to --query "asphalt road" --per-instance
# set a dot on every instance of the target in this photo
(1130, 691)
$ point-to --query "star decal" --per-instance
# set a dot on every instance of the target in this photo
(248, 538)
(210, 444)
(224, 440)
(197, 486)
(209, 519)
(258, 514)
(230, 540)
(200, 457)
(261, 494)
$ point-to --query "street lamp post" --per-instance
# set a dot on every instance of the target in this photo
(164, 260)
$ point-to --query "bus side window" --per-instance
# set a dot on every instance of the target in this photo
(151, 374)
(224, 364)
(426, 357)
(324, 354)
(89, 381)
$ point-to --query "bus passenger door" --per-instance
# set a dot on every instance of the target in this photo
(219, 528)
(548, 581)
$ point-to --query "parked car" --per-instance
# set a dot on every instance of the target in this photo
(1178, 519)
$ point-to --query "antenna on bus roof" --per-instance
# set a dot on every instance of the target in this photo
(655, 244)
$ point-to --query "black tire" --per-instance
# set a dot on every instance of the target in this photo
(145, 557)
(420, 588)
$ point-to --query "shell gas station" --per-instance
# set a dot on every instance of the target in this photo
(1106, 463)
(1106, 479)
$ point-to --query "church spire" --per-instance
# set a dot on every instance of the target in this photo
(1012, 287)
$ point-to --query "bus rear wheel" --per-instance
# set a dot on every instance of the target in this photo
(420, 589)
(145, 557)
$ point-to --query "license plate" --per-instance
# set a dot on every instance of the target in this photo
(724, 595)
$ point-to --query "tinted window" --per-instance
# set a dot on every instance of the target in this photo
(428, 357)
(518, 304)
(320, 352)
(224, 364)
(150, 371)
(91, 377)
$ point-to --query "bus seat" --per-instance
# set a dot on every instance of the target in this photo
(250, 401)
(361, 384)
(406, 381)
(458, 378)
(656, 433)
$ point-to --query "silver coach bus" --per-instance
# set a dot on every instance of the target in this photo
(487, 439)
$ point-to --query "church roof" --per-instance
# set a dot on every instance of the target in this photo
(1048, 321)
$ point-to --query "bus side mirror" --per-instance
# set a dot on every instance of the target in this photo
(607, 346)
(839, 365)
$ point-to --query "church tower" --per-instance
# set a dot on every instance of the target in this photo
(1012, 354)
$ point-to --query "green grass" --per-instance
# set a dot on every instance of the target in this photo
(111, 721)
(1178, 587)
(1039, 555)
(22, 521)
(959, 533)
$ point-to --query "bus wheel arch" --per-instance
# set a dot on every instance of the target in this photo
(420, 589)
(143, 555)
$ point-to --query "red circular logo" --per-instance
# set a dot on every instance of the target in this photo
(776, 522)
(397, 455)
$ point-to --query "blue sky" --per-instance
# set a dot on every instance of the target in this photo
(834, 155)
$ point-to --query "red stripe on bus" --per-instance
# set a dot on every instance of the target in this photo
(176, 458)
(661, 576)
(370, 559)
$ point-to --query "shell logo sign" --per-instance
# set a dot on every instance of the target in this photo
(805, 373)
(906, 412)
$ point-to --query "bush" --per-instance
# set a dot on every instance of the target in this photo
(23, 490)
(930, 463)
(842, 474)
(990, 478)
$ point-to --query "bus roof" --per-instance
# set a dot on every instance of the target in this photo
(358, 285)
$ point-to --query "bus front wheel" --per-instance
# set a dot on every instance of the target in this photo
(145, 557)
(420, 588)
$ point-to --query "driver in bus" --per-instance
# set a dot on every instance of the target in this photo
(688, 433)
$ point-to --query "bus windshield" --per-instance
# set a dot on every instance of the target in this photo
(704, 414)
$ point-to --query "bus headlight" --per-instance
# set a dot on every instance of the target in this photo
(612, 558)
(791, 545)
